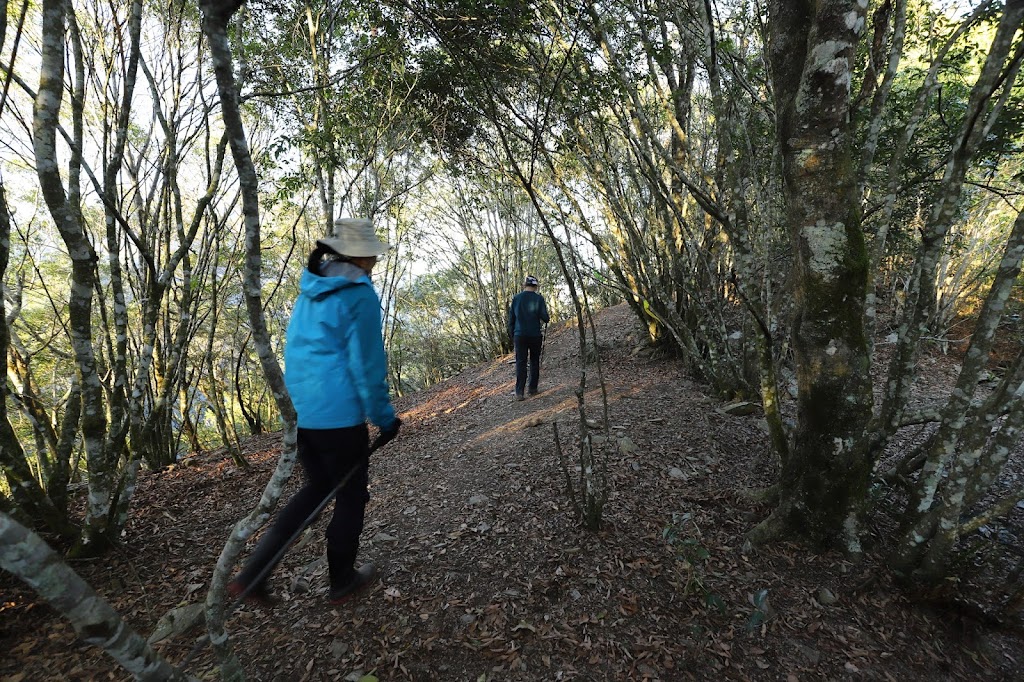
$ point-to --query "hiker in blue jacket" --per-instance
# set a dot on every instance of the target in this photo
(525, 317)
(336, 374)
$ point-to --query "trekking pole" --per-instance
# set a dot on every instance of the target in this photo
(204, 640)
(269, 566)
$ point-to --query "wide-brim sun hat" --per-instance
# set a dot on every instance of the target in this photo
(355, 237)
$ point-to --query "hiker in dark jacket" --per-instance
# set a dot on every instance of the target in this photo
(525, 317)
(336, 374)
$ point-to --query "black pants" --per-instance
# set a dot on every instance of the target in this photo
(327, 456)
(527, 346)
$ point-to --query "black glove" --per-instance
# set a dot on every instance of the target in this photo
(387, 435)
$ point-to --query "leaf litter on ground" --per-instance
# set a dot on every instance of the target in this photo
(486, 575)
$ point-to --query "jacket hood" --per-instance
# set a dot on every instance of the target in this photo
(337, 275)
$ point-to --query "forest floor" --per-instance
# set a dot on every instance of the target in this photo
(486, 575)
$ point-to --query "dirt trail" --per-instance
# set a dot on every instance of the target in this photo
(488, 576)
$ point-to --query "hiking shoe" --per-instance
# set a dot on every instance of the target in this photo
(534, 391)
(519, 397)
(363, 577)
(259, 595)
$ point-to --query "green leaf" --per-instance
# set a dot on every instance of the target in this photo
(756, 619)
(715, 602)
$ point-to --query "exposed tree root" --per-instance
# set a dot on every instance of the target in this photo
(771, 529)
(769, 495)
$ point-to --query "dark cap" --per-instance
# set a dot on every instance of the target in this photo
(531, 281)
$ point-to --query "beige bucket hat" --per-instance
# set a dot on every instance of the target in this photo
(355, 237)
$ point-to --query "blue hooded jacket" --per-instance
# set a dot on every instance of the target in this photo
(335, 365)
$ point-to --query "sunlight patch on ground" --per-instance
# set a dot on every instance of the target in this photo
(563, 409)
(480, 393)
(444, 401)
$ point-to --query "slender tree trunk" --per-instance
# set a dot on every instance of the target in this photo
(28, 557)
(119, 405)
(63, 469)
(83, 275)
(933, 514)
(215, 392)
(215, 18)
(250, 413)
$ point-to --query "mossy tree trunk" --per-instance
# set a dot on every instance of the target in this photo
(826, 475)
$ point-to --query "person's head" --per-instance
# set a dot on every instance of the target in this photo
(531, 283)
(354, 240)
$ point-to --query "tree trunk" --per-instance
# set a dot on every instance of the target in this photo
(119, 400)
(215, 18)
(215, 392)
(83, 275)
(28, 557)
(958, 450)
(825, 477)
